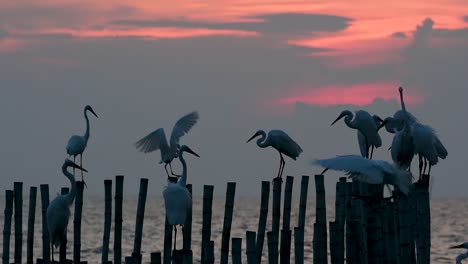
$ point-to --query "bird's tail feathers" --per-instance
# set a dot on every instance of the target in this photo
(404, 181)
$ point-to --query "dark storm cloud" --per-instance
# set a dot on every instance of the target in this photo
(288, 23)
(399, 35)
(465, 18)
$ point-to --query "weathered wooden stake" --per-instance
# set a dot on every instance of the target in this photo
(140, 216)
(228, 210)
(423, 220)
(251, 251)
(18, 200)
(264, 201)
(276, 212)
(333, 242)
(155, 258)
(119, 180)
(303, 202)
(63, 245)
(404, 230)
(206, 226)
(285, 247)
(7, 226)
(77, 222)
(187, 229)
(298, 245)
(340, 219)
(31, 219)
(285, 241)
(320, 227)
(107, 219)
(236, 250)
(209, 253)
(167, 242)
(272, 238)
(352, 247)
(45, 232)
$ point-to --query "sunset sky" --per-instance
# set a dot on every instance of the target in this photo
(244, 65)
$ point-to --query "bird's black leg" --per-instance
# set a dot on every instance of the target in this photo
(372, 152)
(367, 148)
(74, 158)
(279, 170)
(175, 236)
(170, 166)
(325, 170)
(420, 167)
(280, 173)
(165, 167)
(81, 165)
(429, 172)
(425, 166)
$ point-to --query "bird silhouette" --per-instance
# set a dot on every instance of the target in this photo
(280, 141)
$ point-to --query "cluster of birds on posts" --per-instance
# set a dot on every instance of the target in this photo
(411, 138)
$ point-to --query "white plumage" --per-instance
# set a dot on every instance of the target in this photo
(280, 141)
(157, 140)
(370, 171)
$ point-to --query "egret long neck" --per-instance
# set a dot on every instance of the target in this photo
(70, 197)
(403, 107)
(183, 179)
(348, 120)
(261, 142)
(86, 135)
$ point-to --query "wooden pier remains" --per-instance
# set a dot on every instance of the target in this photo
(367, 228)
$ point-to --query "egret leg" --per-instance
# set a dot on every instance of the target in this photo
(165, 167)
(279, 170)
(429, 172)
(367, 148)
(325, 170)
(81, 165)
(74, 161)
(420, 166)
(175, 236)
(372, 152)
(170, 166)
(281, 165)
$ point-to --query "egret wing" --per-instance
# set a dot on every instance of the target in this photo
(183, 125)
(153, 141)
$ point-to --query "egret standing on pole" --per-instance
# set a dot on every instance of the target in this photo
(58, 211)
(176, 196)
(157, 140)
(280, 141)
(77, 144)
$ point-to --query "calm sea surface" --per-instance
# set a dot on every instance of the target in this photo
(449, 226)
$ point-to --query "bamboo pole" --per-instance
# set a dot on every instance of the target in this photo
(45, 232)
(178, 256)
(31, 219)
(236, 250)
(303, 201)
(404, 230)
(155, 258)
(298, 245)
(357, 214)
(276, 212)
(340, 218)
(423, 220)
(319, 241)
(285, 241)
(187, 229)
(207, 212)
(251, 251)
(388, 233)
(272, 238)
(333, 242)
(412, 223)
(140, 217)
(285, 246)
(264, 202)
(63, 245)
(119, 181)
(77, 222)
(209, 253)
(396, 224)
(107, 219)
(167, 242)
(228, 210)
(18, 200)
(7, 226)
(352, 248)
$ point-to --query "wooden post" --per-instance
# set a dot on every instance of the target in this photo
(45, 232)
(276, 212)
(264, 201)
(63, 245)
(251, 251)
(396, 225)
(358, 214)
(228, 210)
(31, 219)
(272, 238)
(333, 242)
(7, 226)
(119, 180)
(388, 233)
(187, 229)
(107, 219)
(155, 257)
(303, 201)
(207, 212)
(140, 216)
(320, 227)
(236, 250)
(340, 219)
(375, 245)
(404, 230)
(298, 245)
(423, 220)
(18, 200)
(285, 246)
(352, 247)
(412, 222)
(167, 242)
(209, 253)
(178, 256)
(285, 241)
(77, 222)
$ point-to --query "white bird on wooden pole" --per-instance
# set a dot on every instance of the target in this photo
(402, 148)
(77, 144)
(362, 139)
(369, 171)
(58, 211)
(365, 124)
(280, 141)
(157, 140)
(177, 199)
(464, 255)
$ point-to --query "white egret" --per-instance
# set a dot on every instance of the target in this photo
(464, 255)
(177, 198)
(157, 140)
(58, 211)
(77, 144)
(402, 149)
(280, 141)
(364, 123)
(362, 139)
(369, 171)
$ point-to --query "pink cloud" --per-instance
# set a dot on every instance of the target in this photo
(359, 95)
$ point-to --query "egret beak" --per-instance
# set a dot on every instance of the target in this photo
(382, 124)
(336, 120)
(191, 152)
(255, 135)
(459, 246)
(78, 167)
(92, 111)
(378, 118)
(400, 89)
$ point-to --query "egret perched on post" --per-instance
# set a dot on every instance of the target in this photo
(77, 144)
(177, 198)
(464, 255)
(369, 171)
(365, 124)
(157, 140)
(58, 211)
(362, 139)
(280, 141)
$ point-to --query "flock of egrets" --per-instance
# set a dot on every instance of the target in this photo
(411, 138)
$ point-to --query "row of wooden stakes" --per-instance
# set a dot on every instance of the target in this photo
(367, 228)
